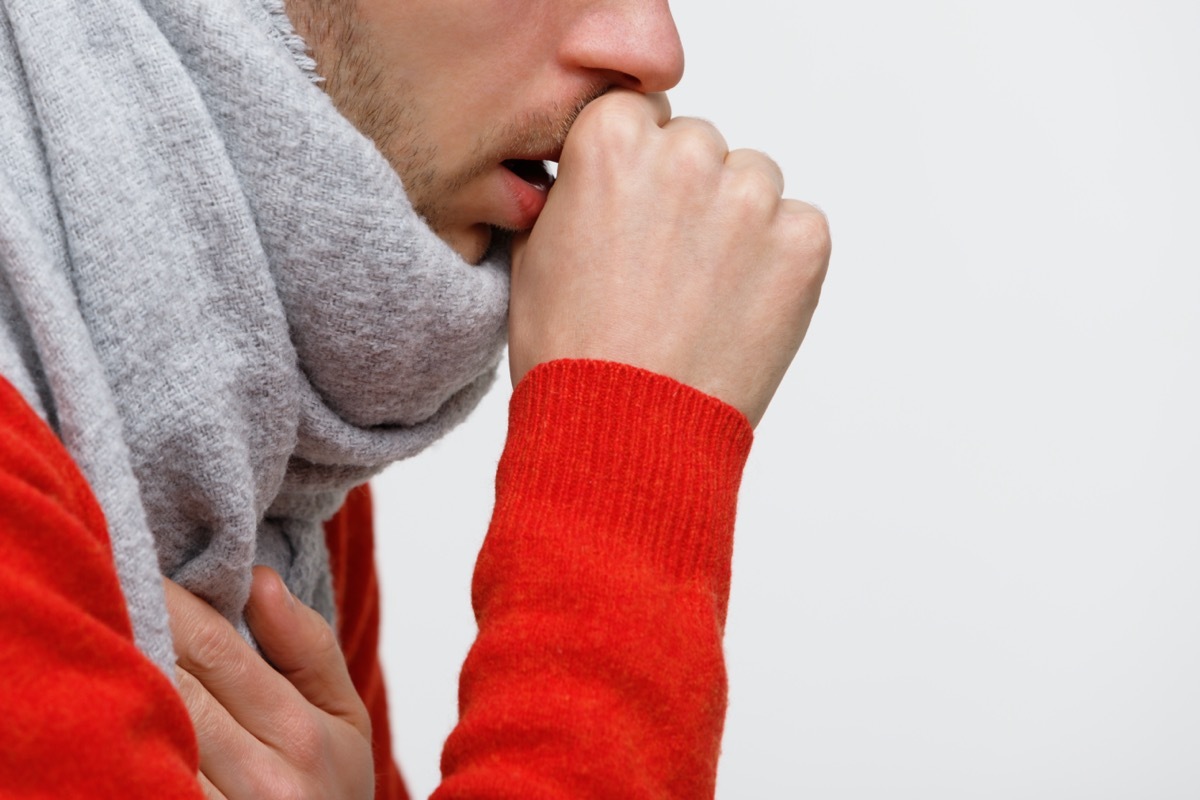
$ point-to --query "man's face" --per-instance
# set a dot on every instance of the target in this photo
(466, 97)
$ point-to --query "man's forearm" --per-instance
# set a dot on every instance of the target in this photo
(601, 592)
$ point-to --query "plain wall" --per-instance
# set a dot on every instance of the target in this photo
(968, 551)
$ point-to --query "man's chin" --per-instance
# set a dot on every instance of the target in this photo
(471, 242)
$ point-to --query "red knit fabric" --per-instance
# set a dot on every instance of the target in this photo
(82, 713)
(351, 541)
(600, 593)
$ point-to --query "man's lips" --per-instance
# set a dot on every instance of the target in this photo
(528, 183)
(532, 172)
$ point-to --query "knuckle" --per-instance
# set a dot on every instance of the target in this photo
(764, 158)
(753, 193)
(611, 121)
(808, 235)
(757, 158)
(693, 152)
(610, 135)
(619, 101)
(208, 646)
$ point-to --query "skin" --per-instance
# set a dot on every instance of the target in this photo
(289, 726)
(409, 73)
(657, 247)
(719, 297)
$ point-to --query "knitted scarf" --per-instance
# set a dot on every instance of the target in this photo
(216, 292)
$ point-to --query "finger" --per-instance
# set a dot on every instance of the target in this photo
(661, 107)
(211, 651)
(654, 104)
(519, 241)
(652, 108)
(808, 232)
(700, 128)
(227, 750)
(211, 792)
(302, 646)
(755, 161)
(801, 208)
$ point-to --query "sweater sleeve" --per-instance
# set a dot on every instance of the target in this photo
(84, 713)
(600, 593)
(351, 539)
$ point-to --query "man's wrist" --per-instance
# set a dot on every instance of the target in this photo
(661, 462)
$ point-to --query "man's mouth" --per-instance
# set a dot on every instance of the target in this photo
(532, 172)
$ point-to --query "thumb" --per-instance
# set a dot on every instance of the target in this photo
(303, 648)
(519, 241)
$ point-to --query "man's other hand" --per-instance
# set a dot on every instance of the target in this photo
(295, 729)
(660, 248)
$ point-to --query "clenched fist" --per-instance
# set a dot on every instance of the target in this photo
(660, 248)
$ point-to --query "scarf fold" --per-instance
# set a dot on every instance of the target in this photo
(216, 291)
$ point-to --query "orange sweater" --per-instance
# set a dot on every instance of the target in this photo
(600, 594)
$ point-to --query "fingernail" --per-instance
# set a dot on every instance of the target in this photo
(291, 600)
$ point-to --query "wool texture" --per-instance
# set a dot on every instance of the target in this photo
(215, 291)
(600, 592)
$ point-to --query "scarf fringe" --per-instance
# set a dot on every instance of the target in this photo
(285, 33)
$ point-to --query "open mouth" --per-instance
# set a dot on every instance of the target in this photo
(532, 172)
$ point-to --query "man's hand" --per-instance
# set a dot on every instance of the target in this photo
(660, 248)
(295, 729)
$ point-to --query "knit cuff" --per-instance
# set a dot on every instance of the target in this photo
(645, 467)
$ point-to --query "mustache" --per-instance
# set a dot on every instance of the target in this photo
(535, 132)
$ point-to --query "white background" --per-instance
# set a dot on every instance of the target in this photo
(968, 556)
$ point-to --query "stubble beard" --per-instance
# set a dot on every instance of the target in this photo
(356, 85)
(389, 113)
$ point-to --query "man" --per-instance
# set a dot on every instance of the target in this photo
(659, 291)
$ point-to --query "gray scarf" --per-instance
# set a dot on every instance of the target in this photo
(216, 292)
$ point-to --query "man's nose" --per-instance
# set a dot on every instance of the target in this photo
(634, 41)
